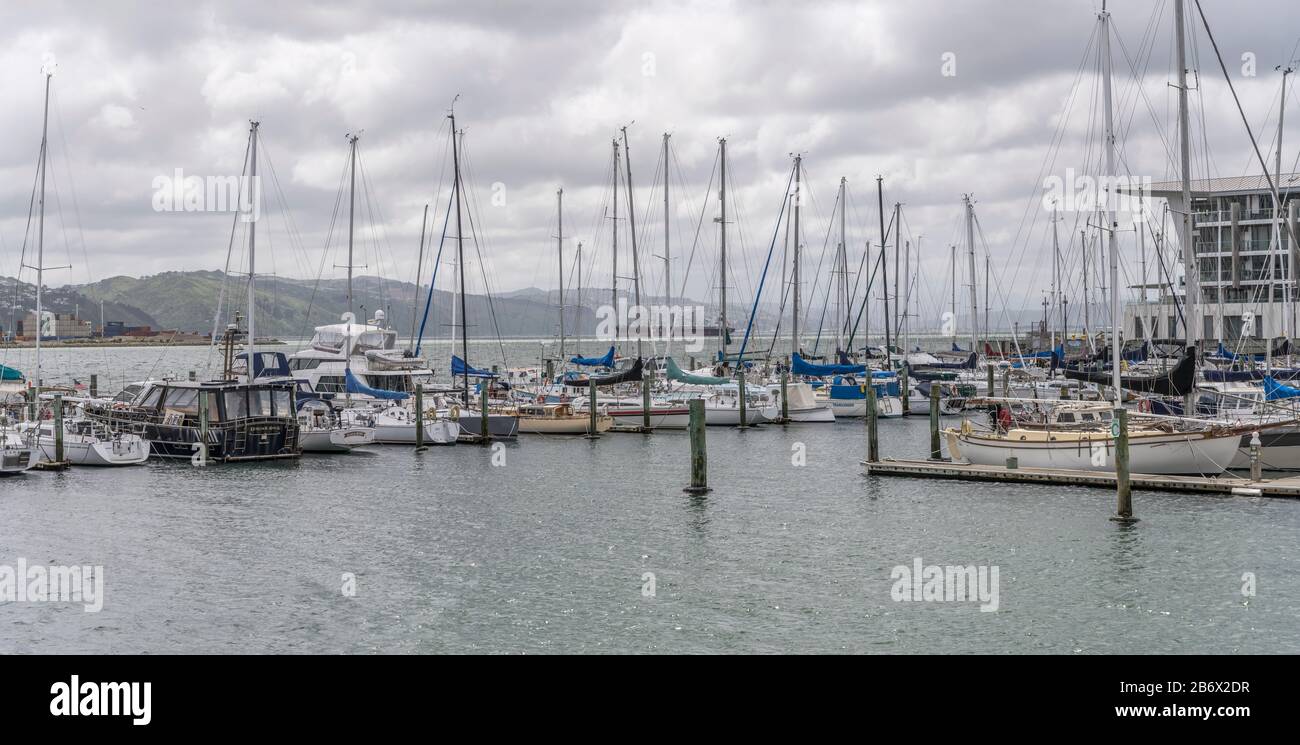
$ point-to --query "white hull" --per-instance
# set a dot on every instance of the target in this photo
(438, 432)
(729, 416)
(1160, 454)
(339, 440)
(99, 452)
(1279, 451)
(887, 407)
(18, 459)
(814, 414)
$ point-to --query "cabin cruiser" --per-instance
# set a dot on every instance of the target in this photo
(559, 419)
(367, 350)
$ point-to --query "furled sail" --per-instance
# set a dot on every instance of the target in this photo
(1274, 390)
(459, 368)
(606, 361)
(629, 375)
(800, 366)
(676, 373)
(353, 385)
(1179, 381)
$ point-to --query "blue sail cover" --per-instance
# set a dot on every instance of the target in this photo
(606, 361)
(9, 373)
(459, 368)
(353, 385)
(1224, 353)
(1274, 390)
(799, 366)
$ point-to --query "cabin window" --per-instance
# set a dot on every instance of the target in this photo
(128, 393)
(1066, 418)
(1105, 416)
(397, 383)
(236, 404)
(283, 403)
(151, 398)
(185, 400)
(259, 402)
(214, 411)
(1086, 417)
(304, 364)
(331, 384)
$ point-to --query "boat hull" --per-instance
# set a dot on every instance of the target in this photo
(576, 425)
(340, 440)
(1170, 454)
(127, 450)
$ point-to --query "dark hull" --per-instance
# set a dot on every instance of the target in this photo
(500, 426)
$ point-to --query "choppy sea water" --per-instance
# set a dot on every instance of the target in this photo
(554, 544)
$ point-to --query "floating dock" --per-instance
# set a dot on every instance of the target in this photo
(1231, 485)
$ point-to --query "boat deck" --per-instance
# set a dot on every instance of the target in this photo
(1232, 485)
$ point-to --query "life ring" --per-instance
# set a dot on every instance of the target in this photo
(454, 413)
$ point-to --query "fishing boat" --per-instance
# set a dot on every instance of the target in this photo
(559, 419)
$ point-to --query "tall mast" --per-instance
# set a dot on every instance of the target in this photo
(1191, 277)
(974, 299)
(798, 199)
(1277, 214)
(1087, 299)
(668, 262)
(1056, 269)
(953, 262)
(559, 245)
(987, 283)
(352, 206)
(252, 257)
(898, 235)
(40, 233)
(884, 265)
(578, 349)
(1116, 314)
(636, 262)
(722, 242)
(614, 246)
(842, 266)
(419, 267)
(460, 255)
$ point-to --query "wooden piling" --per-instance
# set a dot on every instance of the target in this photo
(936, 452)
(645, 405)
(785, 400)
(419, 418)
(94, 385)
(483, 411)
(204, 402)
(742, 403)
(989, 368)
(195, 376)
(699, 456)
(1006, 383)
(873, 442)
(58, 428)
(1123, 484)
(904, 389)
(592, 432)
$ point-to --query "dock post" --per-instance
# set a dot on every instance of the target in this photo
(907, 394)
(94, 385)
(741, 382)
(195, 376)
(58, 428)
(550, 372)
(592, 433)
(204, 403)
(419, 418)
(483, 410)
(1006, 383)
(645, 405)
(989, 367)
(699, 457)
(1255, 466)
(1123, 489)
(873, 442)
(785, 400)
(936, 452)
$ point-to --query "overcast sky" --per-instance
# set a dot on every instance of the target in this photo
(143, 89)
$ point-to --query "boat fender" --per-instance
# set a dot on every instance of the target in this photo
(454, 413)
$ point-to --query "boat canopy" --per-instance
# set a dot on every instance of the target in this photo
(606, 361)
(353, 385)
(676, 373)
(799, 366)
(1274, 390)
(267, 364)
(459, 368)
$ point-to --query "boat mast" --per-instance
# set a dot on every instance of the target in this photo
(1192, 313)
(798, 200)
(898, 235)
(722, 243)
(842, 267)
(636, 263)
(352, 206)
(1116, 314)
(250, 348)
(1083, 251)
(884, 265)
(559, 245)
(974, 298)
(953, 262)
(578, 342)
(419, 267)
(614, 246)
(40, 236)
(1056, 268)
(1287, 329)
(668, 265)
(460, 255)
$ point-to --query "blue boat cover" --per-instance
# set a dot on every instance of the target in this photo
(353, 385)
(799, 366)
(459, 368)
(268, 364)
(1274, 390)
(606, 361)
(9, 373)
